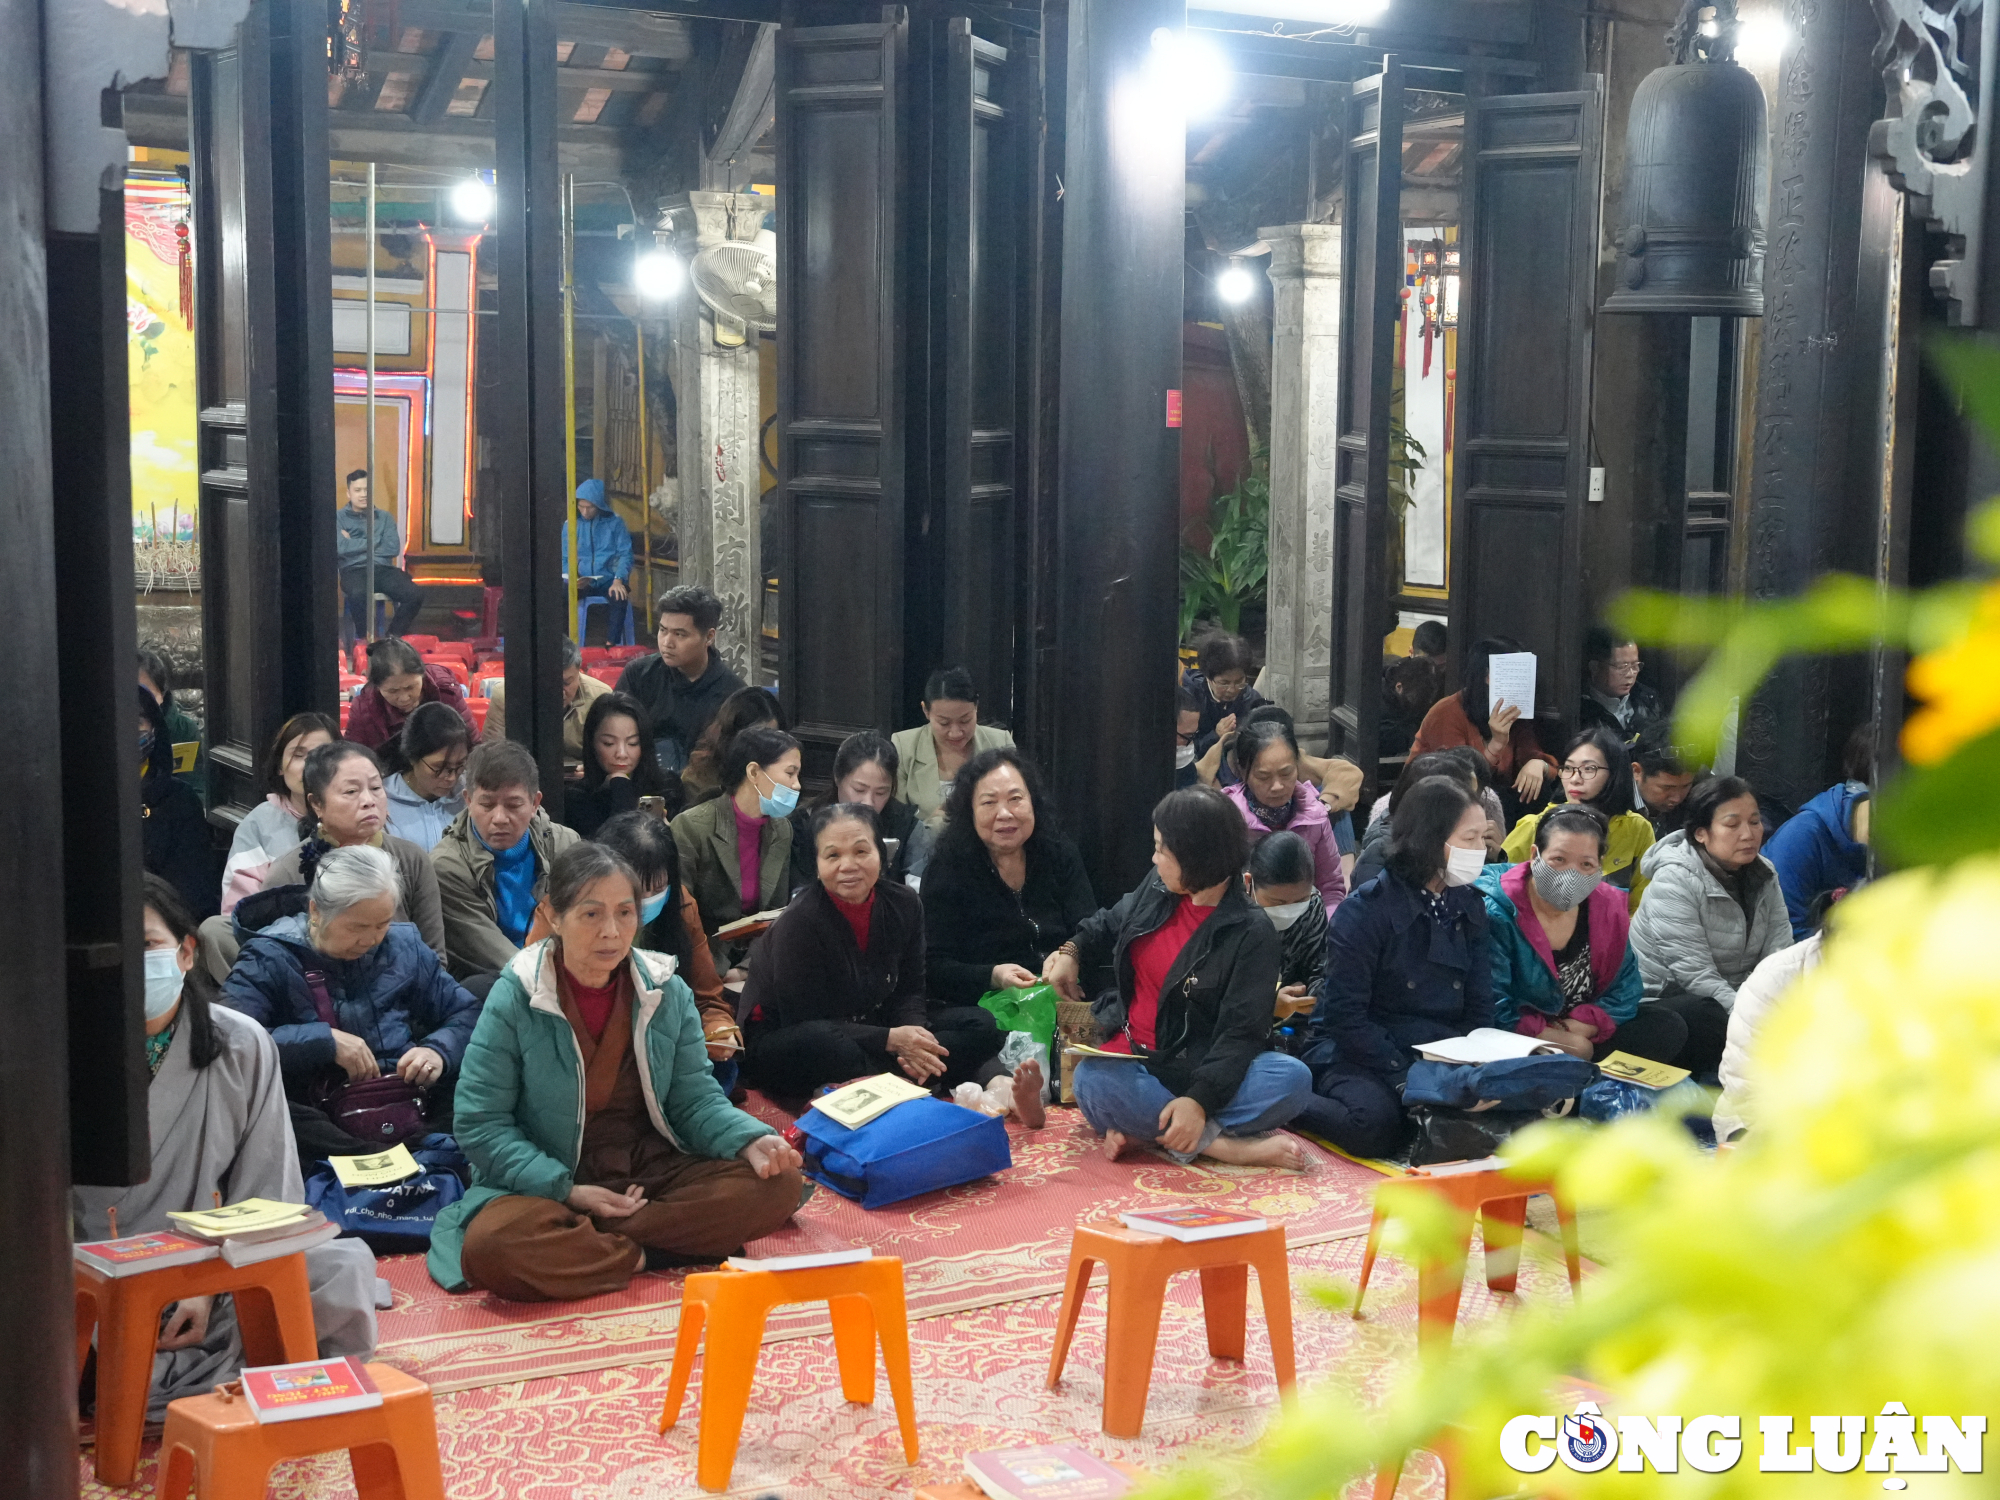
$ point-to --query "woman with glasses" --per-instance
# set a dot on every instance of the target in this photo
(1593, 774)
(430, 757)
(1613, 697)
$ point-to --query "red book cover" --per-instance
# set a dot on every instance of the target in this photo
(313, 1388)
(1051, 1472)
(143, 1252)
(1192, 1223)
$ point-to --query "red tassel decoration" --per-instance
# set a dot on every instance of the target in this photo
(187, 273)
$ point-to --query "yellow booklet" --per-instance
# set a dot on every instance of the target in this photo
(863, 1100)
(378, 1170)
(239, 1218)
(1639, 1070)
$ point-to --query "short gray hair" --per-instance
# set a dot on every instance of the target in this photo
(351, 875)
(572, 654)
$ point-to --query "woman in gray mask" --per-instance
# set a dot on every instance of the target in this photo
(1563, 968)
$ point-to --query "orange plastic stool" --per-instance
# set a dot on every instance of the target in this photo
(1136, 1269)
(1501, 1203)
(865, 1299)
(215, 1446)
(273, 1312)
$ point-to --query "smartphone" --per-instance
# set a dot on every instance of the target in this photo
(894, 846)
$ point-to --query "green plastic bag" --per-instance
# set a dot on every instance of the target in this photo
(1032, 1009)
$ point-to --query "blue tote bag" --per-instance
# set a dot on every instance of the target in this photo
(918, 1147)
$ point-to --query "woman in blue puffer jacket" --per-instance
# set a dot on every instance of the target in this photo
(393, 1008)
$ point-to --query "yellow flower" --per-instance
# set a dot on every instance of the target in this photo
(1960, 686)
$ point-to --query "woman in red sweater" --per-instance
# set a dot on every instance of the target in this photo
(1506, 738)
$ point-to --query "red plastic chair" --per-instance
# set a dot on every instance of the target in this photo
(623, 654)
(421, 643)
(596, 656)
(459, 651)
(607, 675)
(478, 708)
(350, 685)
(345, 710)
(490, 672)
(452, 665)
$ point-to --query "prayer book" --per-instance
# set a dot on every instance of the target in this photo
(1510, 679)
(1084, 1049)
(799, 1262)
(143, 1252)
(250, 1250)
(755, 923)
(1459, 1168)
(1192, 1224)
(251, 1216)
(377, 1170)
(1640, 1070)
(1054, 1471)
(855, 1104)
(313, 1388)
(1483, 1044)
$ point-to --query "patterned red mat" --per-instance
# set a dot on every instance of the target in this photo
(979, 1378)
(999, 1240)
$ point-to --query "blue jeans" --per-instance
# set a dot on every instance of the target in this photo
(725, 1072)
(1127, 1098)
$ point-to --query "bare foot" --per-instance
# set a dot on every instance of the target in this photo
(1028, 1083)
(1114, 1144)
(1277, 1150)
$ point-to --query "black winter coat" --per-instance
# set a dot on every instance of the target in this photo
(1215, 1005)
(807, 967)
(975, 922)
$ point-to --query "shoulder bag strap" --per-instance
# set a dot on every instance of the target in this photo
(322, 1002)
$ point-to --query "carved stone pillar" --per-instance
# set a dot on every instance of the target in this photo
(1305, 371)
(716, 397)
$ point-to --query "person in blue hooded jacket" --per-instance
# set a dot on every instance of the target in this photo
(395, 1008)
(603, 555)
(1825, 848)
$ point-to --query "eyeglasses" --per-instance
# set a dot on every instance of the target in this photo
(1624, 666)
(451, 768)
(1581, 768)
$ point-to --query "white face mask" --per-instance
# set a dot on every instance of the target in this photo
(1183, 757)
(163, 981)
(1283, 916)
(1462, 866)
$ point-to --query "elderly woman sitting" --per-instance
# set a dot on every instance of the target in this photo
(349, 994)
(216, 1107)
(599, 1139)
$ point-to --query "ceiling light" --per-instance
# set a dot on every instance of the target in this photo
(472, 200)
(1190, 71)
(1322, 12)
(658, 275)
(1235, 284)
(1760, 40)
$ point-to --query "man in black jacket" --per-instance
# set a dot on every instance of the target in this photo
(685, 684)
(1197, 968)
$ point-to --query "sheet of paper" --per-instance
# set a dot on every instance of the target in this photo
(1510, 678)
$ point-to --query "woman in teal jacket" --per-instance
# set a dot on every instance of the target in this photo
(1563, 968)
(600, 1143)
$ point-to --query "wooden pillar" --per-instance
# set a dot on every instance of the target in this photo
(37, 1389)
(1119, 462)
(1815, 480)
(525, 418)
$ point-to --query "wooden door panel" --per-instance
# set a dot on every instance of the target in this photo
(1531, 195)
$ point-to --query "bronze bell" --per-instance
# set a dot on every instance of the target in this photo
(1697, 175)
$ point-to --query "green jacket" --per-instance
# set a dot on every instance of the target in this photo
(473, 941)
(518, 1113)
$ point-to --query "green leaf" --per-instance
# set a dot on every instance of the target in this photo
(1937, 814)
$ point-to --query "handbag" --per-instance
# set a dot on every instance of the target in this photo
(1536, 1082)
(382, 1111)
(397, 1217)
(918, 1147)
(1447, 1134)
